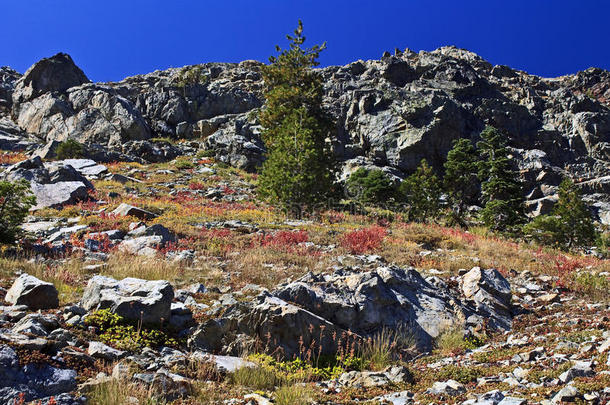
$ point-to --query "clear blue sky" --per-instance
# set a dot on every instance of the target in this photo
(113, 39)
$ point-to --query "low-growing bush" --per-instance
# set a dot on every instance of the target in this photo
(116, 331)
(69, 149)
(364, 240)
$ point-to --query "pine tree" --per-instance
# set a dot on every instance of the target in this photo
(299, 169)
(422, 192)
(370, 187)
(500, 187)
(569, 225)
(460, 180)
(15, 201)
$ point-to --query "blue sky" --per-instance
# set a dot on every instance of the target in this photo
(113, 39)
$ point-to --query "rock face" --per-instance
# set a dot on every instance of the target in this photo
(134, 299)
(32, 292)
(389, 113)
(352, 305)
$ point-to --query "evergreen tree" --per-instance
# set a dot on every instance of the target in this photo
(422, 192)
(370, 187)
(500, 187)
(460, 180)
(299, 169)
(15, 201)
(569, 225)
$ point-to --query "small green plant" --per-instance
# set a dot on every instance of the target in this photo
(377, 351)
(454, 339)
(116, 331)
(16, 199)
(190, 76)
(299, 370)
(183, 164)
(206, 153)
(69, 149)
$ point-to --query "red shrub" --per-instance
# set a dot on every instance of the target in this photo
(197, 186)
(285, 238)
(363, 240)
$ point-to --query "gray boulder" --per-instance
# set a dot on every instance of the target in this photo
(101, 351)
(134, 299)
(35, 293)
(491, 293)
(367, 302)
(55, 74)
(124, 210)
(58, 194)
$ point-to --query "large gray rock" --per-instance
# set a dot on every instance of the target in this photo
(35, 293)
(491, 294)
(317, 306)
(367, 302)
(134, 299)
(57, 73)
(58, 194)
(283, 327)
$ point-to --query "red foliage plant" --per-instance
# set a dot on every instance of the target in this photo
(364, 240)
(284, 238)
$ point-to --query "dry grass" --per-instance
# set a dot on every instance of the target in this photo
(293, 395)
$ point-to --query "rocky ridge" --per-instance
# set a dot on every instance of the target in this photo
(390, 113)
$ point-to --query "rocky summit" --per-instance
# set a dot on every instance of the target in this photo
(149, 270)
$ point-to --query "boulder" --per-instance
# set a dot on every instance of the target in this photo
(283, 327)
(134, 299)
(35, 293)
(367, 302)
(58, 194)
(55, 74)
(129, 210)
(101, 351)
(491, 294)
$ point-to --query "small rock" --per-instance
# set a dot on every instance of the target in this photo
(102, 351)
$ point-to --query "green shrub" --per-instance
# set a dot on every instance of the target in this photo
(370, 187)
(16, 199)
(70, 149)
(569, 225)
(183, 163)
(422, 192)
(116, 331)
